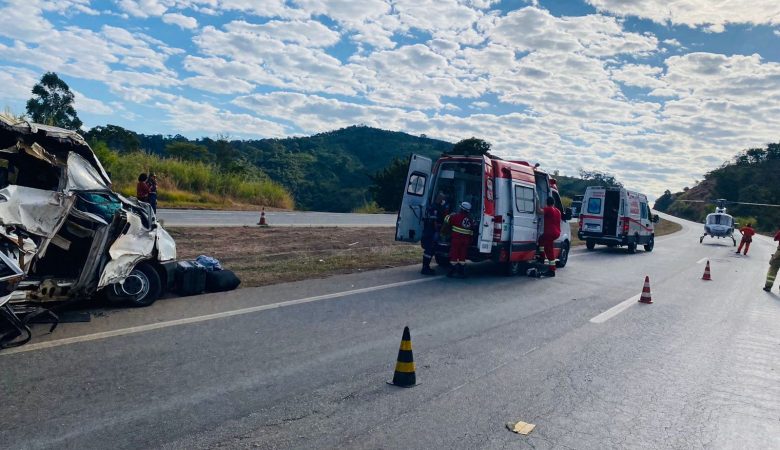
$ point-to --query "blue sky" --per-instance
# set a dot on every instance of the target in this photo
(653, 91)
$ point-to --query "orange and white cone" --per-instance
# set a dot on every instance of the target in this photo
(706, 275)
(645, 297)
(262, 221)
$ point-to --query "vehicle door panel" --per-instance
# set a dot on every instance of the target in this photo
(409, 224)
(524, 221)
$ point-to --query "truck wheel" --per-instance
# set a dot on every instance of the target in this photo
(141, 288)
(442, 260)
(563, 257)
(631, 247)
(590, 245)
(650, 244)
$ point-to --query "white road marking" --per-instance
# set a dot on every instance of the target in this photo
(204, 318)
(615, 310)
(702, 260)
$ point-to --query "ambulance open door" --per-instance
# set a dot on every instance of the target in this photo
(488, 207)
(409, 225)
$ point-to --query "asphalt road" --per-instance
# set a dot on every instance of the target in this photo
(304, 365)
(195, 218)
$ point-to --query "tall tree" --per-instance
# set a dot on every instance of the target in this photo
(52, 103)
(471, 146)
(388, 185)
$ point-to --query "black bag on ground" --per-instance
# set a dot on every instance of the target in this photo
(221, 281)
(190, 278)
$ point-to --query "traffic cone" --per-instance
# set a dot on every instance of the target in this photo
(706, 275)
(262, 221)
(645, 297)
(404, 367)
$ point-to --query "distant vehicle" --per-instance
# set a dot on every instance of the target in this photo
(720, 224)
(616, 217)
(576, 206)
(71, 235)
(504, 196)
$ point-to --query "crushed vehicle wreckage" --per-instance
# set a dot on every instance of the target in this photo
(65, 234)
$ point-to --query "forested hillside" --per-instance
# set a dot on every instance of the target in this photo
(327, 172)
(751, 176)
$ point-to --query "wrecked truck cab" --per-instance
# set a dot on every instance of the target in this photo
(72, 236)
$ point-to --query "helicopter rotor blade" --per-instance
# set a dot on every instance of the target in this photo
(756, 204)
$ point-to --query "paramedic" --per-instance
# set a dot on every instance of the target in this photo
(432, 223)
(747, 238)
(552, 230)
(462, 227)
(774, 265)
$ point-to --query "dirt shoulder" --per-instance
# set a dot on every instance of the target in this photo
(263, 256)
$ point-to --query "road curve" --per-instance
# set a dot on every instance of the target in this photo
(212, 218)
(304, 365)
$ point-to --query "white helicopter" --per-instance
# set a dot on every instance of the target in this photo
(719, 224)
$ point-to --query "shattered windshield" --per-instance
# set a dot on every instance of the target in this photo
(82, 176)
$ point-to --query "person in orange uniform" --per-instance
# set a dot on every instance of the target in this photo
(774, 266)
(461, 226)
(747, 238)
(552, 230)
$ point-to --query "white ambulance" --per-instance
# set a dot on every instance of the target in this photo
(505, 197)
(616, 217)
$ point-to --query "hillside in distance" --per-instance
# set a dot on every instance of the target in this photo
(752, 176)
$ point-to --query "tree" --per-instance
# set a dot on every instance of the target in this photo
(52, 103)
(116, 137)
(596, 178)
(388, 185)
(471, 146)
(188, 152)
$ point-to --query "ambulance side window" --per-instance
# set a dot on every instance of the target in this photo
(524, 199)
(416, 184)
(594, 205)
(643, 208)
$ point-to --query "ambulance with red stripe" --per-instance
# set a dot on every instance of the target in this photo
(504, 196)
(614, 216)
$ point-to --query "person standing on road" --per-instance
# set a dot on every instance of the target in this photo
(774, 265)
(142, 188)
(432, 223)
(747, 238)
(552, 230)
(462, 227)
(152, 182)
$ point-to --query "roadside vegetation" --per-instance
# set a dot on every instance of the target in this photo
(192, 183)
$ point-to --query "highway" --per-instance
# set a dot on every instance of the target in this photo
(210, 218)
(304, 365)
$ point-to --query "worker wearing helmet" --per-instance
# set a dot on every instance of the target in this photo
(774, 265)
(747, 238)
(462, 227)
(552, 230)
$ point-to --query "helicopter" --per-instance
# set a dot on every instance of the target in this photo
(720, 224)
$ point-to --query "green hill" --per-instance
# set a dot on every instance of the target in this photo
(752, 176)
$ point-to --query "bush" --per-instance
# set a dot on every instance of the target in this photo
(191, 181)
(369, 208)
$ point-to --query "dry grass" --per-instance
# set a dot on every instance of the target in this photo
(263, 256)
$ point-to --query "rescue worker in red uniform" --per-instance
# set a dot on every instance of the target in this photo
(774, 266)
(552, 230)
(747, 238)
(461, 227)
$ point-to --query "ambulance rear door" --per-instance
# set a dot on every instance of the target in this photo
(524, 222)
(409, 225)
(488, 207)
(592, 215)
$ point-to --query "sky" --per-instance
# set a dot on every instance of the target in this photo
(657, 92)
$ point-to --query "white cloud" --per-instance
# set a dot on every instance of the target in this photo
(180, 20)
(672, 42)
(82, 103)
(711, 15)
